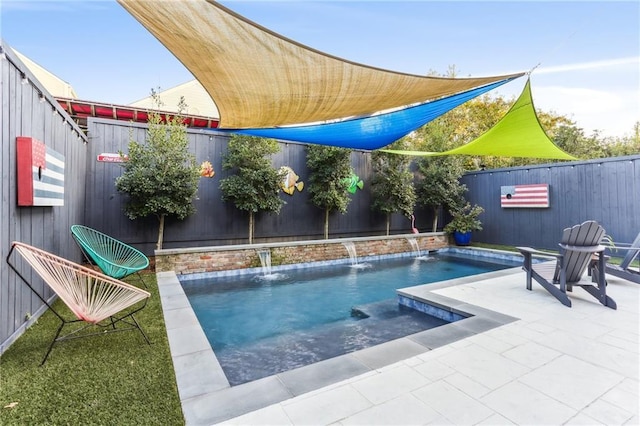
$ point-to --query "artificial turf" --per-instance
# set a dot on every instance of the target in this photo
(112, 379)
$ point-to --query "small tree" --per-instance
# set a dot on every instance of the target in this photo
(438, 182)
(439, 185)
(256, 185)
(160, 176)
(392, 186)
(329, 169)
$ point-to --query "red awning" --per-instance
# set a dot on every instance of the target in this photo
(80, 109)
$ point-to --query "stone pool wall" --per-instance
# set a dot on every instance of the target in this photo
(222, 258)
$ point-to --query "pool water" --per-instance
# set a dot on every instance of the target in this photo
(260, 326)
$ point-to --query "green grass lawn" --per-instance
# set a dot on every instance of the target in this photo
(114, 379)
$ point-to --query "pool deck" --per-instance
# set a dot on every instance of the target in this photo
(524, 358)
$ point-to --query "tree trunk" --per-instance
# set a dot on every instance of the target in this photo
(250, 227)
(326, 224)
(160, 232)
(435, 219)
(388, 222)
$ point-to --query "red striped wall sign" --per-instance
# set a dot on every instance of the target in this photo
(525, 196)
(40, 174)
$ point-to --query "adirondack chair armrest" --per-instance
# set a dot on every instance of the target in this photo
(583, 249)
(530, 251)
(617, 247)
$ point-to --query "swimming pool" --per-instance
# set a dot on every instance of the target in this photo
(260, 327)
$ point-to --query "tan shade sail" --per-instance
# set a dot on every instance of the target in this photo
(258, 78)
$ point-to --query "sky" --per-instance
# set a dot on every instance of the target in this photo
(584, 55)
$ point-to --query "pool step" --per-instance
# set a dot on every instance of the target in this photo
(387, 309)
(372, 324)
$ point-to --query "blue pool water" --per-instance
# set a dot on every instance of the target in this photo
(259, 327)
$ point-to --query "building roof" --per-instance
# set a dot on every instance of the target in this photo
(196, 97)
(201, 111)
(54, 84)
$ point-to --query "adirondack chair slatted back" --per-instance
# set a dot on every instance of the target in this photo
(631, 254)
(112, 256)
(90, 295)
(587, 234)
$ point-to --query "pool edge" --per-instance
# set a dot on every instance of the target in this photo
(204, 391)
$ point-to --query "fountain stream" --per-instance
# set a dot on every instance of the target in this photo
(414, 245)
(416, 248)
(351, 249)
(265, 260)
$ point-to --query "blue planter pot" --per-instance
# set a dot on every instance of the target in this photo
(462, 238)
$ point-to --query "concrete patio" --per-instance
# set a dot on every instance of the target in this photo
(551, 365)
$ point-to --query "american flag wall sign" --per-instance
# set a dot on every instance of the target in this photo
(525, 196)
(40, 174)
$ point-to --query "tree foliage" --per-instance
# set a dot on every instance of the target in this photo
(628, 145)
(255, 186)
(329, 168)
(392, 187)
(464, 218)
(160, 175)
(438, 184)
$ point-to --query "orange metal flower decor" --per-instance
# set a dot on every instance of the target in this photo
(206, 169)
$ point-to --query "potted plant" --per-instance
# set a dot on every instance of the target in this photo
(464, 221)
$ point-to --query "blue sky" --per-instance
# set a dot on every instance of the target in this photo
(588, 52)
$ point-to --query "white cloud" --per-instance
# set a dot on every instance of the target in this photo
(601, 95)
(578, 100)
(613, 113)
(588, 65)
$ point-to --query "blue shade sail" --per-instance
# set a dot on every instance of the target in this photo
(369, 132)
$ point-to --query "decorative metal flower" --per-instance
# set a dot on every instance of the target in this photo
(206, 169)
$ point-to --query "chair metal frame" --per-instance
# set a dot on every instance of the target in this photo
(83, 297)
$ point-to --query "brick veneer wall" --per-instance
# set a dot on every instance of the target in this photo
(212, 259)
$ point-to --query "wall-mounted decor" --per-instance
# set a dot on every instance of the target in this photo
(108, 157)
(40, 174)
(206, 169)
(353, 182)
(525, 196)
(290, 182)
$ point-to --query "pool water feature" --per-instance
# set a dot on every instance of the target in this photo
(259, 328)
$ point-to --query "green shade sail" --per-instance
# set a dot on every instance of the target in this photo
(517, 134)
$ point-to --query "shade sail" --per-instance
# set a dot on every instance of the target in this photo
(371, 132)
(258, 78)
(517, 134)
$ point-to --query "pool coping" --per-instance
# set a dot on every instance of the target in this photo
(207, 397)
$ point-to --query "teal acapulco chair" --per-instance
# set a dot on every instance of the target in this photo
(114, 258)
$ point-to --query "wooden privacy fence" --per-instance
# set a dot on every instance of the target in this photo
(606, 190)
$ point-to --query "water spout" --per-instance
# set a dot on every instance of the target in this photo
(351, 249)
(265, 261)
(416, 249)
(414, 246)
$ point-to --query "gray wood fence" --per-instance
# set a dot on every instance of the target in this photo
(606, 190)
(217, 222)
(27, 110)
